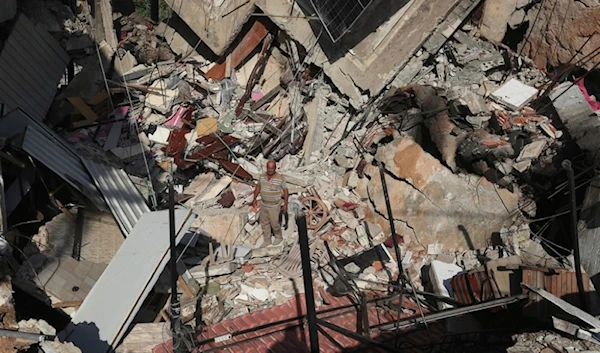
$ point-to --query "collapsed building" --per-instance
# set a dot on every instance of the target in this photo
(441, 164)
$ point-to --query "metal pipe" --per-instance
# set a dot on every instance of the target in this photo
(154, 10)
(26, 335)
(451, 313)
(175, 305)
(574, 233)
(356, 336)
(391, 219)
(311, 310)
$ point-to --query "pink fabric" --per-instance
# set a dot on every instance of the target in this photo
(256, 96)
(595, 105)
(176, 119)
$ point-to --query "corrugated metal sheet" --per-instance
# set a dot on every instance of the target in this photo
(110, 307)
(123, 198)
(31, 65)
(52, 152)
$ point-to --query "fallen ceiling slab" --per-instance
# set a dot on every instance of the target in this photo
(373, 57)
(123, 198)
(113, 302)
(216, 24)
(31, 64)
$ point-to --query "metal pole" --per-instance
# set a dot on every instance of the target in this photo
(311, 312)
(36, 337)
(356, 336)
(175, 305)
(574, 233)
(154, 10)
(391, 219)
(412, 322)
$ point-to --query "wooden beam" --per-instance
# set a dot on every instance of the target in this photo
(69, 304)
(245, 47)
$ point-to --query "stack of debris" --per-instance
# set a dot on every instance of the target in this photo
(410, 187)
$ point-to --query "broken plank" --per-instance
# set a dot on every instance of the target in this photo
(98, 98)
(12, 159)
(251, 40)
(83, 108)
(184, 286)
(69, 304)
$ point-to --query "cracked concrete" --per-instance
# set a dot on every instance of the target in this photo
(431, 204)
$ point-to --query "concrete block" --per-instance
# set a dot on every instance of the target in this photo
(440, 274)
(160, 98)
(532, 151)
(161, 135)
(268, 251)
(514, 94)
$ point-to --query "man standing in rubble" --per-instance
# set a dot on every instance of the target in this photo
(274, 200)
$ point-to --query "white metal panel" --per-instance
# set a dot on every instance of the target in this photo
(123, 198)
(114, 300)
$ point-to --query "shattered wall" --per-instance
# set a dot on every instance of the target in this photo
(433, 205)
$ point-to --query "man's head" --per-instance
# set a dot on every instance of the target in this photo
(271, 167)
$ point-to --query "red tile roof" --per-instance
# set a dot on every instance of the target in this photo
(291, 335)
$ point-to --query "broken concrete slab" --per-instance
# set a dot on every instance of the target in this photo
(376, 58)
(125, 64)
(532, 151)
(201, 272)
(160, 97)
(514, 94)
(147, 250)
(496, 14)
(176, 42)
(101, 237)
(61, 276)
(217, 25)
(474, 102)
(160, 136)
(433, 205)
(268, 251)
(577, 115)
(224, 227)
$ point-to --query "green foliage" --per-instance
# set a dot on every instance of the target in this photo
(142, 7)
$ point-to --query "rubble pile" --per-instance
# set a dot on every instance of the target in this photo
(427, 187)
(546, 341)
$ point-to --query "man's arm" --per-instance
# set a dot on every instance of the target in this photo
(286, 194)
(256, 193)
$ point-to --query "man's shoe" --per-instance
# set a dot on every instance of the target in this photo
(278, 241)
